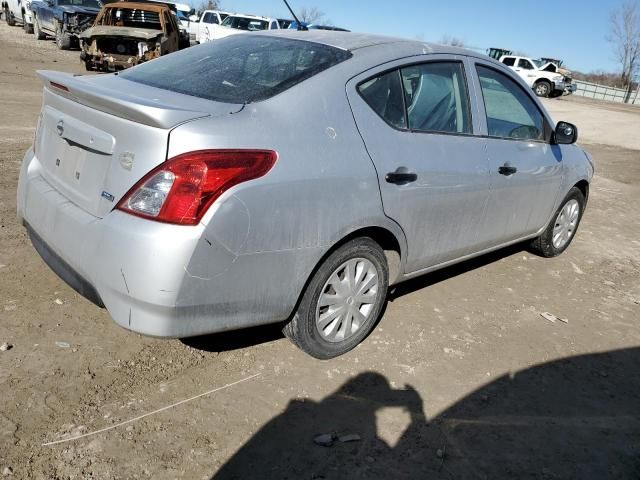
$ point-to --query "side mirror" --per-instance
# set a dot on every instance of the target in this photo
(566, 133)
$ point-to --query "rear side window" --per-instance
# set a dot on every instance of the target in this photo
(384, 95)
(509, 61)
(430, 97)
(511, 113)
(436, 98)
(238, 68)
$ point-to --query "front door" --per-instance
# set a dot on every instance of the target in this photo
(526, 170)
(415, 120)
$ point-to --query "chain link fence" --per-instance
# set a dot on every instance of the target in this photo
(602, 92)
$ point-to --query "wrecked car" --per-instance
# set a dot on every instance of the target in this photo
(128, 33)
(63, 19)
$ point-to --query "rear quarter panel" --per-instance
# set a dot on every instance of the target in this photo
(263, 238)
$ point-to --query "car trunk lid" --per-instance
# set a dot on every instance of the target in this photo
(95, 142)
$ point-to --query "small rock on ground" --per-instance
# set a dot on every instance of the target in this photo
(324, 439)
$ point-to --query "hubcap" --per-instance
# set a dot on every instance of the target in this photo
(566, 224)
(347, 300)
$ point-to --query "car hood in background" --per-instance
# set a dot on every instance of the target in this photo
(78, 9)
(113, 31)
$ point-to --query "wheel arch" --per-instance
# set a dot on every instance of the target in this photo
(392, 243)
(583, 186)
(388, 241)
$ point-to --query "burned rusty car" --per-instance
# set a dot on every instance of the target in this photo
(128, 33)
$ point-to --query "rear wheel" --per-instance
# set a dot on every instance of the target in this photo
(558, 235)
(542, 88)
(342, 302)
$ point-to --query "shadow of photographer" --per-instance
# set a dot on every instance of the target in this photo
(574, 418)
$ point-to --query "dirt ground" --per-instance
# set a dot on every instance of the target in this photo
(462, 378)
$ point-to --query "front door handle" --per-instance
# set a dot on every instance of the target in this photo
(507, 169)
(401, 176)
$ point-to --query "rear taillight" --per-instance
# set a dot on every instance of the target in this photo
(181, 190)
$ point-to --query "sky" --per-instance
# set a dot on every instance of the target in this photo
(572, 31)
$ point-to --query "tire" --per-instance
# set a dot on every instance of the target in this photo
(544, 245)
(63, 40)
(542, 88)
(28, 28)
(36, 29)
(362, 255)
(8, 16)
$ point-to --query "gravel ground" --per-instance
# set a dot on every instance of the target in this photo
(462, 378)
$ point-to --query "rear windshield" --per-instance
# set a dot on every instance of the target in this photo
(131, 17)
(238, 68)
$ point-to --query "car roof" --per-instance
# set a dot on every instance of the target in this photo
(353, 41)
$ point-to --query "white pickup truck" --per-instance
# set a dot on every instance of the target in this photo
(546, 79)
(18, 11)
(199, 28)
(237, 24)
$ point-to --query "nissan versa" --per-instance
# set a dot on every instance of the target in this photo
(290, 176)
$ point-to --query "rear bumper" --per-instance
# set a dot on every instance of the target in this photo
(133, 267)
(158, 279)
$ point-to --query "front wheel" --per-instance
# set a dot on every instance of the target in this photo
(63, 40)
(36, 29)
(343, 300)
(558, 235)
(542, 88)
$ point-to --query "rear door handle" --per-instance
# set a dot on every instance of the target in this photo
(507, 169)
(401, 176)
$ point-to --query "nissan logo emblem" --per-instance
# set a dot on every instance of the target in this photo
(60, 127)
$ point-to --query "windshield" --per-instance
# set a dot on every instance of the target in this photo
(182, 15)
(238, 68)
(131, 17)
(244, 23)
(539, 63)
(81, 3)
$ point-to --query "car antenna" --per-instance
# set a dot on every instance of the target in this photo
(301, 27)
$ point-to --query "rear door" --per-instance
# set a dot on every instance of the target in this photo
(526, 170)
(416, 120)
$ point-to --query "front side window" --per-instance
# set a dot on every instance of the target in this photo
(511, 113)
(209, 17)
(525, 64)
(436, 97)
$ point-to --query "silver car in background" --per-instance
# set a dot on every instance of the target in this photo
(290, 176)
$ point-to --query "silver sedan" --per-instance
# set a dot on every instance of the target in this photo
(290, 177)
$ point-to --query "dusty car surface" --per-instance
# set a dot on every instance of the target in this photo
(128, 33)
(194, 194)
